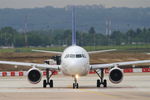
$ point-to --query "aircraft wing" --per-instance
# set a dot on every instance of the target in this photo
(51, 67)
(55, 52)
(99, 66)
(101, 51)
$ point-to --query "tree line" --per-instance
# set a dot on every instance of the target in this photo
(12, 37)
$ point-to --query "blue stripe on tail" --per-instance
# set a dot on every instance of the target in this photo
(73, 27)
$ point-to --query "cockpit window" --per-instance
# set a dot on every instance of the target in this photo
(72, 56)
(67, 56)
(78, 56)
(83, 56)
(75, 56)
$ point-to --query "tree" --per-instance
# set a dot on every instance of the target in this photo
(92, 30)
(7, 36)
(117, 37)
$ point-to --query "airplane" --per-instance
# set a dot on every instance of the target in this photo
(75, 62)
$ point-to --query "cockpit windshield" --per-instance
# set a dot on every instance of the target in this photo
(75, 56)
(78, 56)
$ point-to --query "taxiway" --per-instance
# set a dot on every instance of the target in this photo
(135, 86)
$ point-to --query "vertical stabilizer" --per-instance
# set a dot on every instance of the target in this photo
(73, 27)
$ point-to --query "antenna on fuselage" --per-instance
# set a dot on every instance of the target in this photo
(73, 26)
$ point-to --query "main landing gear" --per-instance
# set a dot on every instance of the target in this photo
(48, 81)
(75, 85)
(101, 81)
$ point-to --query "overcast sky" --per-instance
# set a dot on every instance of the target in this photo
(62, 3)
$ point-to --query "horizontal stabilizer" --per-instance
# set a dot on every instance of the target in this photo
(55, 52)
(101, 51)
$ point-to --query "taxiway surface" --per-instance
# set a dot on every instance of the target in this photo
(135, 86)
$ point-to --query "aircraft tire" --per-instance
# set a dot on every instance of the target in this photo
(73, 85)
(77, 85)
(44, 83)
(51, 83)
(98, 83)
(105, 83)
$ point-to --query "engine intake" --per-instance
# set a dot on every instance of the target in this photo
(34, 75)
(115, 75)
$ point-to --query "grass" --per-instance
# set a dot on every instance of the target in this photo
(25, 49)
(139, 48)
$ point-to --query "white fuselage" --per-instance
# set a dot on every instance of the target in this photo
(75, 61)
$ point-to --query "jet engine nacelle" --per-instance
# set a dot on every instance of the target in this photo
(115, 75)
(34, 75)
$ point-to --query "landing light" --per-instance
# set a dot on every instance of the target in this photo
(77, 76)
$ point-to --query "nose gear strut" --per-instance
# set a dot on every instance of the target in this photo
(75, 85)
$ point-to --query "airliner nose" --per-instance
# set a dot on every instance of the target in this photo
(76, 68)
(74, 65)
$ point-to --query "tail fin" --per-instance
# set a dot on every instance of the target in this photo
(73, 26)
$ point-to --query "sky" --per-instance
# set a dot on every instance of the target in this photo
(63, 3)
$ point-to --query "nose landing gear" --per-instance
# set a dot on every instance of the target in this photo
(75, 85)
